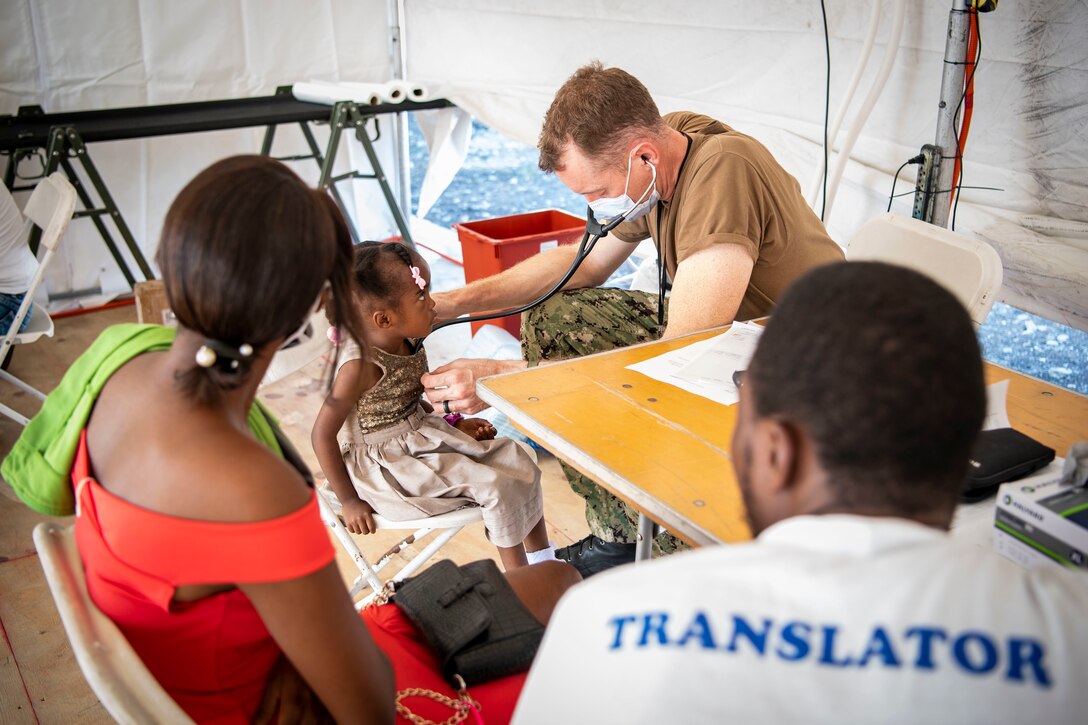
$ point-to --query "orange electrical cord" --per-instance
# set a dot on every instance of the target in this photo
(83, 311)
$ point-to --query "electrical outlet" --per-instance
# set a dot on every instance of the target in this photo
(924, 195)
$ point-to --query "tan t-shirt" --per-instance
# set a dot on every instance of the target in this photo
(732, 191)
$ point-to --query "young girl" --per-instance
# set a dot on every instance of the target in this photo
(403, 460)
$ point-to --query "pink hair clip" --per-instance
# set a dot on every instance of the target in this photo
(333, 334)
(417, 278)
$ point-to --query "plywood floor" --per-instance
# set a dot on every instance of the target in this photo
(39, 679)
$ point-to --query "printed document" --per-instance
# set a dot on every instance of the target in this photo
(706, 367)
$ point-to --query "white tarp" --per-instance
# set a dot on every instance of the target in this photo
(70, 55)
(760, 68)
(756, 66)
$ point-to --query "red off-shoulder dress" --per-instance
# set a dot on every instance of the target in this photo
(213, 655)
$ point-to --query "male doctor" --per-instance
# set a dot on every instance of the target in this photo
(853, 605)
(732, 231)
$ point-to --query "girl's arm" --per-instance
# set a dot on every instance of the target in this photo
(352, 380)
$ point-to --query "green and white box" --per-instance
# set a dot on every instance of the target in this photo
(1038, 520)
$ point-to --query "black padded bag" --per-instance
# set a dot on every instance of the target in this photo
(470, 615)
(1002, 455)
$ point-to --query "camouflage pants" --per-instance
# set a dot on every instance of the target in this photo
(582, 322)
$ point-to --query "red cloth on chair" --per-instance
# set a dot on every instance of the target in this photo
(214, 655)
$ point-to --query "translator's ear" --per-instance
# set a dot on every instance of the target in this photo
(780, 447)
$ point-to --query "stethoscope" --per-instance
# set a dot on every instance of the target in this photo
(594, 230)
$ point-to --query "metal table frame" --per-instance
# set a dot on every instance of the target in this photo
(64, 137)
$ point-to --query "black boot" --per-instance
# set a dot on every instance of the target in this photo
(592, 555)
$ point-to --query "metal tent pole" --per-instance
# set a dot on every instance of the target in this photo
(399, 62)
(959, 20)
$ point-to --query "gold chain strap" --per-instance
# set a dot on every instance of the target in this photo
(462, 706)
(384, 595)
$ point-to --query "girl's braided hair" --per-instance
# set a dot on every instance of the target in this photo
(377, 269)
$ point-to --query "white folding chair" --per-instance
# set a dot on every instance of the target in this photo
(443, 527)
(112, 668)
(50, 207)
(969, 268)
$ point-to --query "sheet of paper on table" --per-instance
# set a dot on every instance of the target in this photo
(997, 414)
(706, 367)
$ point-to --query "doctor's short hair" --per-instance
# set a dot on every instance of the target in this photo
(601, 110)
(880, 366)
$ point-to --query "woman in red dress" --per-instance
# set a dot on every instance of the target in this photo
(204, 545)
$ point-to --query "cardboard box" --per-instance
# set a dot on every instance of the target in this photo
(151, 304)
(1048, 519)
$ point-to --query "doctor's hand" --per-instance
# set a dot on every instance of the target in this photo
(452, 387)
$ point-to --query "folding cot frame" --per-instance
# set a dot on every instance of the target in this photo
(64, 136)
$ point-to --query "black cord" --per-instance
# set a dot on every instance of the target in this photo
(955, 119)
(912, 160)
(827, 103)
(895, 179)
(589, 241)
(983, 188)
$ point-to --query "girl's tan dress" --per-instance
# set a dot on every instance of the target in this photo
(408, 462)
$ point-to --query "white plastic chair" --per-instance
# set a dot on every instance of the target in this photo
(443, 527)
(969, 268)
(50, 207)
(112, 668)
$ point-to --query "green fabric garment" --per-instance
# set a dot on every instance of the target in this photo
(40, 462)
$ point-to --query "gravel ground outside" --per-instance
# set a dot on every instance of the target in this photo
(501, 177)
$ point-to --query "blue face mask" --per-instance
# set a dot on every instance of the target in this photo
(607, 209)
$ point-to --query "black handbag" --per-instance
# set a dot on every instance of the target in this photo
(473, 620)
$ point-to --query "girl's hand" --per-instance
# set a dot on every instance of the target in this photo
(358, 517)
(478, 428)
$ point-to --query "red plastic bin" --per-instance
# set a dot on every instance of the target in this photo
(489, 246)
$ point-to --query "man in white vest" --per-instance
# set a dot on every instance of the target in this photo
(852, 605)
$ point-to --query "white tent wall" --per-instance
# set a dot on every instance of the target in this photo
(70, 55)
(760, 68)
(756, 66)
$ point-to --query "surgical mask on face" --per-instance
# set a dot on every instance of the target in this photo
(608, 208)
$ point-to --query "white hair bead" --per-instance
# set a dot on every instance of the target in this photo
(205, 356)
